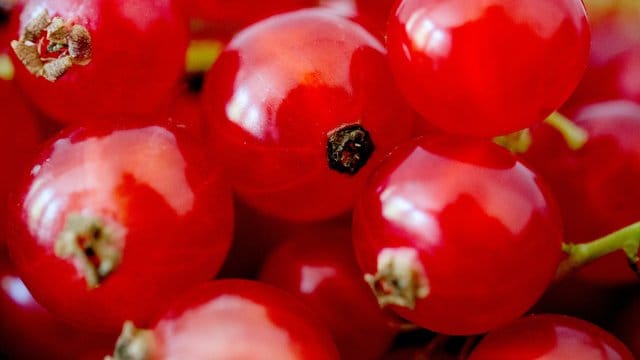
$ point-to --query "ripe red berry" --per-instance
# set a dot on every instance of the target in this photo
(487, 68)
(231, 16)
(82, 62)
(596, 185)
(28, 331)
(230, 319)
(553, 337)
(457, 235)
(302, 106)
(19, 137)
(614, 61)
(113, 222)
(317, 265)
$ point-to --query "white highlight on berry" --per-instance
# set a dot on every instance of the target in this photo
(216, 330)
(312, 276)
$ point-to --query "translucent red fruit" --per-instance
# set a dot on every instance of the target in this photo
(19, 137)
(486, 68)
(302, 106)
(457, 235)
(317, 265)
(596, 185)
(81, 61)
(231, 319)
(28, 331)
(113, 222)
(231, 16)
(553, 337)
(614, 61)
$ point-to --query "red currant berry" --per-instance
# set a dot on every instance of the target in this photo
(230, 319)
(19, 136)
(374, 15)
(553, 337)
(487, 68)
(301, 105)
(614, 62)
(113, 222)
(231, 16)
(457, 235)
(317, 265)
(89, 61)
(595, 185)
(28, 331)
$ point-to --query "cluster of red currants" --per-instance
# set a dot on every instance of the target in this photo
(304, 179)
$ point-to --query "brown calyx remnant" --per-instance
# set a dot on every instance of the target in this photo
(400, 279)
(349, 148)
(133, 344)
(50, 47)
(94, 247)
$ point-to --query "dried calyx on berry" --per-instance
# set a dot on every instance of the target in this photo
(94, 247)
(133, 344)
(49, 47)
(349, 148)
(400, 280)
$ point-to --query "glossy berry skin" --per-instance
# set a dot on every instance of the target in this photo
(230, 16)
(317, 265)
(487, 68)
(19, 138)
(477, 227)
(28, 331)
(596, 185)
(113, 222)
(238, 319)
(552, 337)
(614, 61)
(279, 92)
(135, 58)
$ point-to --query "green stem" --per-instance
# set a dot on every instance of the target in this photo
(626, 239)
(201, 55)
(517, 142)
(574, 135)
(6, 67)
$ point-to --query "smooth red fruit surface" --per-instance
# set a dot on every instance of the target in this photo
(113, 222)
(186, 113)
(614, 62)
(19, 138)
(461, 235)
(283, 91)
(125, 57)
(374, 15)
(233, 15)
(552, 337)
(28, 331)
(317, 265)
(487, 68)
(235, 319)
(596, 185)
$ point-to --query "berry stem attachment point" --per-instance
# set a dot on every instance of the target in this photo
(95, 248)
(517, 142)
(52, 55)
(400, 279)
(133, 344)
(349, 148)
(574, 135)
(626, 239)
